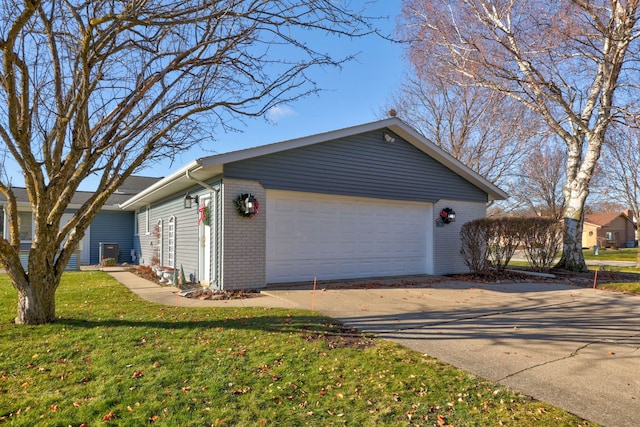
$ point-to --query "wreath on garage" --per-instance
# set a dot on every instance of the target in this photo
(247, 205)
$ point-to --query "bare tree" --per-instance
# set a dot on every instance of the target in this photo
(564, 60)
(620, 168)
(100, 87)
(481, 128)
(538, 187)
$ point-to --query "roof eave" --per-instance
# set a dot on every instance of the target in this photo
(165, 187)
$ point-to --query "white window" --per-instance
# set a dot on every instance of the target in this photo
(148, 220)
(25, 225)
(160, 236)
(172, 242)
(136, 227)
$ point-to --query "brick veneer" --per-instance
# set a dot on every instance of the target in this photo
(243, 238)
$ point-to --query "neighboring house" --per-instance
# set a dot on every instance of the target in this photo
(609, 230)
(111, 224)
(358, 202)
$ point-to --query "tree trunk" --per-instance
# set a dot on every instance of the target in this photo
(572, 257)
(37, 288)
(36, 304)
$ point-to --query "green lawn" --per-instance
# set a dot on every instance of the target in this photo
(113, 359)
(625, 254)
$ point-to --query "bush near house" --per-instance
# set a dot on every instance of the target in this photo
(491, 242)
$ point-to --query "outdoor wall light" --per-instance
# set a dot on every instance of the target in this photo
(447, 215)
(389, 138)
(188, 199)
(249, 204)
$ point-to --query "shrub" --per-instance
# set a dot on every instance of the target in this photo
(108, 262)
(542, 242)
(491, 242)
(474, 244)
(503, 238)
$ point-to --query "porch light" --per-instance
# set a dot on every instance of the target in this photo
(188, 198)
(249, 205)
(448, 215)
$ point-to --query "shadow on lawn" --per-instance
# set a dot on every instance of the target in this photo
(310, 328)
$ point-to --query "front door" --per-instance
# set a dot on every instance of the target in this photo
(205, 221)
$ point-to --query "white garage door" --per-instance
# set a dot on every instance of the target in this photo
(335, 237)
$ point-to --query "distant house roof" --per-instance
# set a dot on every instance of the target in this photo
(604, 219)
(131, 186)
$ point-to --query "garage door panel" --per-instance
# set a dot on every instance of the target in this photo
(343, 237)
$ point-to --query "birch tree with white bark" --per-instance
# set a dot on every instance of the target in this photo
(572, 62)
(97, 88)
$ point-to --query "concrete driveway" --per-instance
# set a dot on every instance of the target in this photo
(578, 349)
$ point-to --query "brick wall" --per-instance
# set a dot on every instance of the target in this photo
(243, 238)
(446, 256)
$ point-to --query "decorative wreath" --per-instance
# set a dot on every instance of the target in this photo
(205, 215)
(247, 205)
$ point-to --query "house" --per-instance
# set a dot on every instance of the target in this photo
(111, 225)
(364, 201)
(616, 229)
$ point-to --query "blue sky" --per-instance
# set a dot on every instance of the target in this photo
(352, 95)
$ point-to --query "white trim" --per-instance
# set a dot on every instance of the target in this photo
(147, 226)
(205, 252)
(160, 242)
(171, 242)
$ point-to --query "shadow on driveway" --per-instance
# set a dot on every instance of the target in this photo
(572, 347)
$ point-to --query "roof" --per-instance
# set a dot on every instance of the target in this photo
(207, 167)
(604, 219)
(131, 186)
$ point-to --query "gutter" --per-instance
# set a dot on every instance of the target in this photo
(203, 184)
(160, 185)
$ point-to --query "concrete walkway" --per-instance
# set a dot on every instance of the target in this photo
(578, 349)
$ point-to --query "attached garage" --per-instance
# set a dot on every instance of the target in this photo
(358, 202)
(331, 237)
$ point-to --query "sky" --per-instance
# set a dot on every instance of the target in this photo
(353, 95)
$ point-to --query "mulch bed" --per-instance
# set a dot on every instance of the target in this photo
(194, 290)
(584, 280)
(561, 276)
(211, 294)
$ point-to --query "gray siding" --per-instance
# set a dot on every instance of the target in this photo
(186, 236)
(112, 227)
(363, 165)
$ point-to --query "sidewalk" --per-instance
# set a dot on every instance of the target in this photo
(168, 295)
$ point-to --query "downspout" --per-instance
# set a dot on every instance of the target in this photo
(216, 201)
